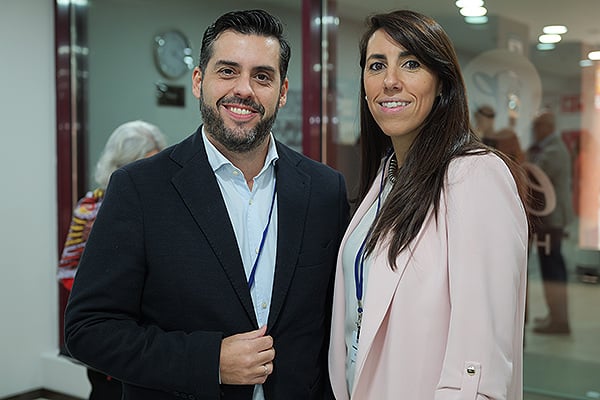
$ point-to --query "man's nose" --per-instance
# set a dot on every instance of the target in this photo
(243, 87)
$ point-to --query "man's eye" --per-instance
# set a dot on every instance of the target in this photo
(226, 71)
(263, 77)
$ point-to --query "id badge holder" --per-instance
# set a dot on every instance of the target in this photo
(354, 348)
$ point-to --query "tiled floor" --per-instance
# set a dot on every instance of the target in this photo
(526, 397)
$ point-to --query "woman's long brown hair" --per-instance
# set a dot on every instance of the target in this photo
(446, 133)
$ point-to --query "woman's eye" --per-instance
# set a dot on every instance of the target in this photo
(376, 66)
(412, 64)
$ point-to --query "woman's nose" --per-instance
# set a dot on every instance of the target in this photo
(391, 79)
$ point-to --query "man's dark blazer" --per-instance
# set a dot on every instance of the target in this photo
(161, 280)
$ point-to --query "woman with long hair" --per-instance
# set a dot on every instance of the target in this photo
(430, 285)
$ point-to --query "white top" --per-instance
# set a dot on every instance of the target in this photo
(349, 253)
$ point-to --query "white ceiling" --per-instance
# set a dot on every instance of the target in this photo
(582, 17)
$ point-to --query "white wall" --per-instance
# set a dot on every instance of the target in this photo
(28, 243)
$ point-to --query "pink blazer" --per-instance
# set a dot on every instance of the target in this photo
(448, 323)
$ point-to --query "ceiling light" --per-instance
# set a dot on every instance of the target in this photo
(594, 55)
(555, 29)
(473, 11)
(585, 63)
(476, 20)
(469, 3)
(549, 38)
(546, 46)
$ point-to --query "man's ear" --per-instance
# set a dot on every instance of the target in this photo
(283, 93)
(196, 82)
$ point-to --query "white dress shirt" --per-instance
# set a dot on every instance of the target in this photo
(249, 215)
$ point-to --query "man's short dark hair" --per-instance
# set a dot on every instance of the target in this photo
(248, 22)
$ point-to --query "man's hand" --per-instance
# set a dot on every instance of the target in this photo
(247, 358)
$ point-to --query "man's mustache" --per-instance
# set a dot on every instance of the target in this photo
(243, 102)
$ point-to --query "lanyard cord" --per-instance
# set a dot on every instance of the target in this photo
(263, 240)
(359, 261)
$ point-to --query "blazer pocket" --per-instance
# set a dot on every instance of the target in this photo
(470, 380)
(314, 257)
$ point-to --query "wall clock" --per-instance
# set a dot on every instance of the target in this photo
(173, 54)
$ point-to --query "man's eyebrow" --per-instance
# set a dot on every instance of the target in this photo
(266, 68)
(227, 63)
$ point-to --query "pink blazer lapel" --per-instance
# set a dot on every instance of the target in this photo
(382, 284)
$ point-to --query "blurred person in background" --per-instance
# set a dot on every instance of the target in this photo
(551, 155)
(129, 142)
(504, 140)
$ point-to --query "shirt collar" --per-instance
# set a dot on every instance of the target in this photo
(217, 160)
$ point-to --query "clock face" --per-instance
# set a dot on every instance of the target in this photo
(173, 54)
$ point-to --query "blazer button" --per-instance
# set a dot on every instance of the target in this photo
(471, 370)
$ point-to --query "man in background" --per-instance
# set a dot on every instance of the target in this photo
(550, 154)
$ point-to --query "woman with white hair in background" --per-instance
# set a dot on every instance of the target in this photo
(131, 141)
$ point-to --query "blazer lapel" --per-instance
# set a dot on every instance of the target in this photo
(337, 351)
(292, 201)
(199, 190)
(383, 281)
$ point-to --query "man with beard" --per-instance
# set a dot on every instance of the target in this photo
(208, 272)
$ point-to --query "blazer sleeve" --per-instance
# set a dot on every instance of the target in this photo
(103, 324)
(487, 261)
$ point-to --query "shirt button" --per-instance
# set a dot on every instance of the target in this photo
(236, 172)
(263, 305)
(256, 250)
(471, 370)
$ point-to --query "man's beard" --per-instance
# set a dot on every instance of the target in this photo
(237, 140)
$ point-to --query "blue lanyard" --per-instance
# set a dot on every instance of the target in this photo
(359, 261)
(263, 240)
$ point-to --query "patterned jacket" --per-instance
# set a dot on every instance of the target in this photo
(83, 218)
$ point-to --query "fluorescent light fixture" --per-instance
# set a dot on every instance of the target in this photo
(476, 20)
(546, 46)
(594, 55)
(555, 30)
(473, 11)
(469, 3)
(585, 63)
(549, 38)
(74, 2)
